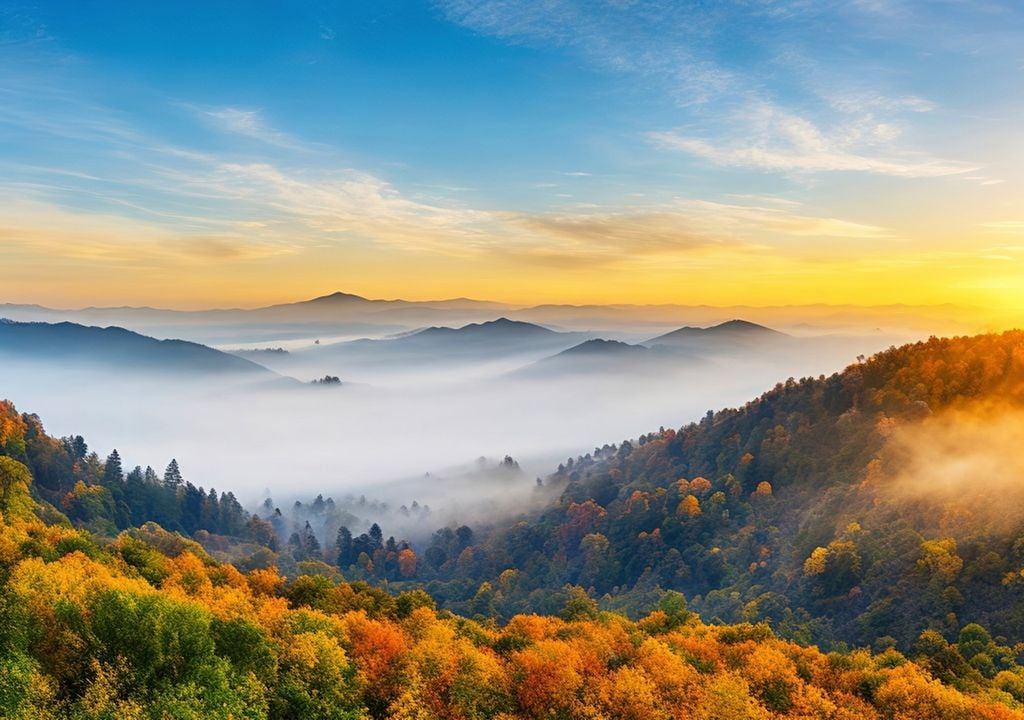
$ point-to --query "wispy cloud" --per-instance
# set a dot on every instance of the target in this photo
(36, 231)
(780, 115)
(247, 123)
(768, 138)
(1004, 227)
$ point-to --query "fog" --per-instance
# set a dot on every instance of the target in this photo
(402, 427)
(963, 469)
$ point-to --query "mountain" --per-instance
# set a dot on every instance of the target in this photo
(731, 332)
(340, 315)
(75, 346)
(880, 502)
(494, 341)
(335, 314)
(599, 347)
(148, 623)
(500, 331)
(597, 357)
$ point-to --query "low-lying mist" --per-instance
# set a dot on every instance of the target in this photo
(417, 439)
(963, 468)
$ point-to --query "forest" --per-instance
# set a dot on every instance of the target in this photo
(811, 554)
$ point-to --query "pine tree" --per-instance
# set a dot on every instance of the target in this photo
(172, 475)
(376, 536)
(209, 518)
(113, 473)
(344, 546)
(310, 545)
(79, 448)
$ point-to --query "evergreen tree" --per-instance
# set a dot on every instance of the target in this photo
(192, 509)
(113, 473)
(78, 447)
(376, 536)
(343, 544)
(310, 545)
(172, 475)
(209, 518)
(135, 495)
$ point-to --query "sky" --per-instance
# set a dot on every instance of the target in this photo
(726, 152)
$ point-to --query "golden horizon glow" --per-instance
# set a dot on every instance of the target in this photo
(856, 188)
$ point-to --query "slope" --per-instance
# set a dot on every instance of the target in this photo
(878, 502)
(149, 625)
(113, 348)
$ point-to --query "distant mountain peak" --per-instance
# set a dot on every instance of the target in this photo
(600, 346)
(735, 328)
(742, 326)
(499, 326)
(339, 296)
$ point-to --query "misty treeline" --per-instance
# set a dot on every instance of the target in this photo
(805, 509)
(833, 508)
(149, 625)
(101, 495)
(824, 508)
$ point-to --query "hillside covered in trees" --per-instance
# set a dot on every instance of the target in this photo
(148, 625)
(876, 508)
(865, 507)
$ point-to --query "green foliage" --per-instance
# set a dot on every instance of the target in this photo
(778, 511)
(15, 479)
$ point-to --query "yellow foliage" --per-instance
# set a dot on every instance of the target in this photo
(939, 558)
(689, 507)
(815, 564)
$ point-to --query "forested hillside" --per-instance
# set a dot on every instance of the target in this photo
(877, 508)
(102, 496)
(864, 507)
(150, 626)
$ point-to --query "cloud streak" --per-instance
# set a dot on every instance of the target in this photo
(779, 116)
(247, 123)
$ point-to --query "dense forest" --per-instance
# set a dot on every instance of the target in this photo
(876, 508)
(149, 625)
(861, 508)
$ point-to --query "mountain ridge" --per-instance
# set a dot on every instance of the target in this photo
(116, 347)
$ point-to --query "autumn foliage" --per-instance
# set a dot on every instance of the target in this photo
(128, 630)
(771, 511)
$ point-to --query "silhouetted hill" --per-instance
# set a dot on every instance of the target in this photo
(79, 346)
(731, 330)
(603, 348)
(500, 330)
(473, 343)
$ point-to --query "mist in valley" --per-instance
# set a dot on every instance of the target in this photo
(415, 433)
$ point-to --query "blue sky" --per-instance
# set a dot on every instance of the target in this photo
(356, 141)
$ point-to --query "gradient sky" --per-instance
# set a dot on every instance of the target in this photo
(733, 152)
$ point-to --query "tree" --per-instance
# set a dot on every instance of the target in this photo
(407, 563)
(343, 544)
(172, 475)
(78, 447)
(15, 479)
(578, 605)
(376, 536)
(112, 470)
(311, 545)
(262, 532)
